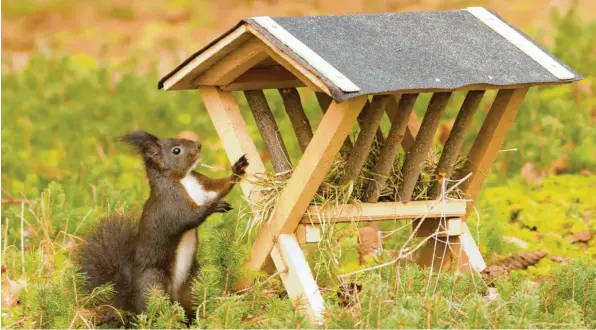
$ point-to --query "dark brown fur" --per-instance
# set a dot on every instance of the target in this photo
(135, 259)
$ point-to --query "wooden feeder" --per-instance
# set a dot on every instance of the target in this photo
(345, 59)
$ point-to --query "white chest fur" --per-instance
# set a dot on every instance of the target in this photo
(184, 257)
(188, 242)
(194, 189)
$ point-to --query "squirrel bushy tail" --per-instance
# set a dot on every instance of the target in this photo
(108, 256)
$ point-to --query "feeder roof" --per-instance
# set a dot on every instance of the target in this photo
(355, 55)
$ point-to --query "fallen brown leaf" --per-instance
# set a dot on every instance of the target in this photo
(10, 290)
(370, 242)
(581, 236)
(562, 260)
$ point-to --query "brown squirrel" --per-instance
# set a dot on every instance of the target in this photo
(160, 249)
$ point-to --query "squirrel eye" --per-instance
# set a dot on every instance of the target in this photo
(176, 151)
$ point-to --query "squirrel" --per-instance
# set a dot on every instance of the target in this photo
(160, 249)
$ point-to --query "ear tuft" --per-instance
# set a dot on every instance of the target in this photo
(147, 145)
(140, 140)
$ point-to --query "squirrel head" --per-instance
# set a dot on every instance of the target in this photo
(171, 157)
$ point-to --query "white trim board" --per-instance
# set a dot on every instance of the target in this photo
(196, 62)
(312, 58)
(521, 42)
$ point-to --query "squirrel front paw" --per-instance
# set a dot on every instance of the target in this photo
(239, 167)
(222, 207)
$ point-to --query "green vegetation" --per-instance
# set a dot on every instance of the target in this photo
(62, 118)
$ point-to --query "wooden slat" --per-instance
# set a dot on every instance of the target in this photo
(415, 157)
(455, 140)
(233, 133)
(370, 123)
(306, 177)
(324, 102)
(235, 64)
(307, 77)
(264, 78)
(413, 122)
(312, 233)
(384, 211)
(183, 78)
(274, 143)
(300, 123)
(400, 114)
(490, 138)
(363, 122)
(411, 132)
(297, 277)
(450, 227)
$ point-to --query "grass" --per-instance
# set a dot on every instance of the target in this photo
(60, 157)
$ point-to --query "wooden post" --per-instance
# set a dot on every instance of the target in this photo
(490, 138)
(390, 149)
(455, 140)
(233, 133)
(363, 121)
(465, 251)
(300, 123)
(297, 277)
(415, 157)
(370, 124)
(269, 131)
(306, 177)
(411, 132)
(324, 102)
(435, 253)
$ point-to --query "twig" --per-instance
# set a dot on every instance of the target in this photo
(262, 283)
(17, 201)
(80, 223)
(21, 321)
(459, 182)
(7, 193)
(400, 257)
(5, 239)
(22, 240)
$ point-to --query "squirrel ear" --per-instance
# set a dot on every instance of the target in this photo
(153, 151)
(139, 139)
(146, 144)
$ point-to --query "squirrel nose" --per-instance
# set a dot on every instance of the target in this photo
(199, 146)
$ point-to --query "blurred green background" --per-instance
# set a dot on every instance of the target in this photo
(78, 74)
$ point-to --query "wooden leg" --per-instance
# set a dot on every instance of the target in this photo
(435, 254)
(465, 252)
(235, 137)
(233, 132)
(297, 277)
(306, 178)
(461, 252)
